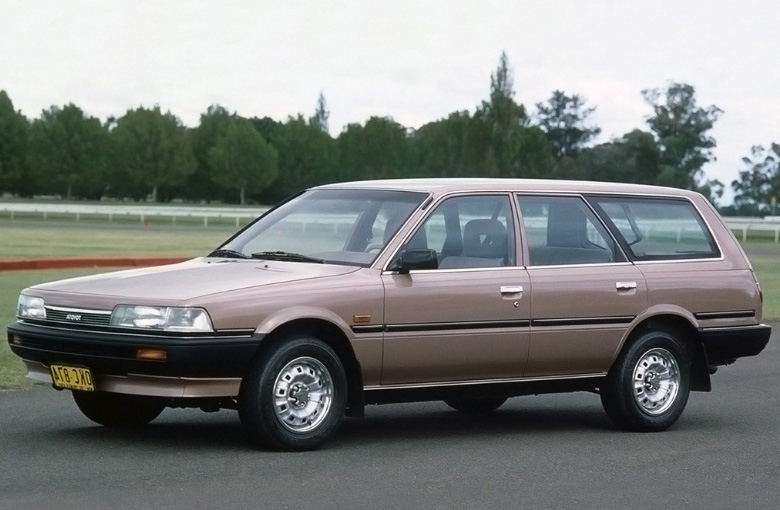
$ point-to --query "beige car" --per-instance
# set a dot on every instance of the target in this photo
(468, 291)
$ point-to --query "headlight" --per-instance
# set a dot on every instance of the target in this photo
(163, 318)
(30, 308)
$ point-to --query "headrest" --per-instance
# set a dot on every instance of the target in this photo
(485, 238)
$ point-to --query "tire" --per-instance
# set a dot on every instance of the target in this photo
(293, 398)
(117, 409)
(476, 405)
(648, 386)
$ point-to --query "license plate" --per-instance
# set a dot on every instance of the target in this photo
(72, 378)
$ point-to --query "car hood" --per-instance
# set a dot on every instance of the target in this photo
(190, 280)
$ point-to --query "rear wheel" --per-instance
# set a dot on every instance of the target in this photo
(648, 386)
(476, 405)
(117, 409)
(294, 397)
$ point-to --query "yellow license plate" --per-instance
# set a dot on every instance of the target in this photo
(72, 378)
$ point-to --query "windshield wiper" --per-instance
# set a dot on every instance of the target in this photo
(230, 254)
(286, 256)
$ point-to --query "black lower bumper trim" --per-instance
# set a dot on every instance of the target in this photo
(724, 345)
(115, 353)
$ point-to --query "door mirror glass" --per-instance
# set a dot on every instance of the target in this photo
(414, 259)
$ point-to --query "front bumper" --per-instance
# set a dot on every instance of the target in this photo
(195, 366)
(724, 345)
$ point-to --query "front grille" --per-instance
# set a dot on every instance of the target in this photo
(76, 317)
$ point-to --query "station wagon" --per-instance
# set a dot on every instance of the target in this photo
(469, 291)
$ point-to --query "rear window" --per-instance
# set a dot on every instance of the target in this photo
(657, 229)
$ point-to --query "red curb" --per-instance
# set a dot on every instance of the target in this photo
(20, 265)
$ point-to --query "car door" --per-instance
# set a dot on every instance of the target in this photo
(468, 319)
(584, 292)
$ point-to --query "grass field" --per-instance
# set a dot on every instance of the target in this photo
(24, 240)
(768, 271)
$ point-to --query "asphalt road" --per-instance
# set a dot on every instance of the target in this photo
(555, 451)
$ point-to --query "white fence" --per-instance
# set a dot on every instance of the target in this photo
(142, 212)
(742, 227)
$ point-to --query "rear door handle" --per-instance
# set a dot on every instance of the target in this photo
(625, 285)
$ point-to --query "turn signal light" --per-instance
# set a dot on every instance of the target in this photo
(149, 354)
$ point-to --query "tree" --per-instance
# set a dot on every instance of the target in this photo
(758, 182)
(380, 149)
(565, 121)
(68, 152)
(635, 158)
(14, 134)
(152, 150)
(321, 115)
(213, 125)
(681, 129)
(307, 157)
(242, 158)
(515, 148)
(451, 147)
(501, 109)
(266, 126)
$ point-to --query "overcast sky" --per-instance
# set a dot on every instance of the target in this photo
(415, 61)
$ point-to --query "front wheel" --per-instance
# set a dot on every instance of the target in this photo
(117, 409)
(648, 386)
(294, 397)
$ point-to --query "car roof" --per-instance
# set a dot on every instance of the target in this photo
(441, 186)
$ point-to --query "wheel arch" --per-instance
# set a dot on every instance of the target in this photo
(332, 335)
(681, 327)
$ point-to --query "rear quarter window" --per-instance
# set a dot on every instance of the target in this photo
(657, 229)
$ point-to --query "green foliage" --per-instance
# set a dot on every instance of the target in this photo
(242, 158)
(14, 133)
(321, 115)
(152, 150)
(377, 150)
(681, 129)
(148, 153)
(451, 147)
(515, 149)
(265, 126)
(672, 154)
(307, 157)
(501, 110)
(758, 182)
(564, 119)
(68, 151)
(213, 125)
(633, 158)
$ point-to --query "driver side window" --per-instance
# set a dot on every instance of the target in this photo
(469, 232)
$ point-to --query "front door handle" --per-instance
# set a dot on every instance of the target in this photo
(511, 289)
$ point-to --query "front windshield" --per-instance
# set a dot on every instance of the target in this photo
(333, 225)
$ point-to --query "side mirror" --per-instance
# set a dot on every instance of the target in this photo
(416, 259)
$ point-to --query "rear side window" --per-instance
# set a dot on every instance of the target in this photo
(563, 231)
(658, 229)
